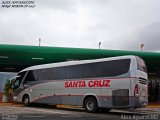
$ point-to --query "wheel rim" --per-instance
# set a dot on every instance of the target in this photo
(90, 105)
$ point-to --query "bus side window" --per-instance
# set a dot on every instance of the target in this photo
(117, 67)
(58, 73)
(107, 68)
(41, 74)
(93, 70)
(74, 71)
(31, 76)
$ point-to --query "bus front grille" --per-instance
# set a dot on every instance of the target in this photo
(120, 97)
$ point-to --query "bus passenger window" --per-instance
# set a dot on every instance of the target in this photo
(43, 74)
(107, 68)
(31, 76)
(58, 73)
(74, 71)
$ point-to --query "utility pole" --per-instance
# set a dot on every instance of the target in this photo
(39, 41)
(99, 45)
(142, 45)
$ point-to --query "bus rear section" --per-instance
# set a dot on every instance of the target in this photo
(128, 82)
(140, 85)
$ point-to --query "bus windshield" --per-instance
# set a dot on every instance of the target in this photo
(18, 80)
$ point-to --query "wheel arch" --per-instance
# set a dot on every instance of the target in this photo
(88, 96)
(26, 94)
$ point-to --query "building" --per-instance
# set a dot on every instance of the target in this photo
(14, 58)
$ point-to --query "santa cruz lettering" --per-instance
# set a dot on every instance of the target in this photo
(90, 83)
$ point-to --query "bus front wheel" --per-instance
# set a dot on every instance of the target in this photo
(26, 100)
(90, 105)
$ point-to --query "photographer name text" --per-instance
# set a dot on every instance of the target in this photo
(18, 4)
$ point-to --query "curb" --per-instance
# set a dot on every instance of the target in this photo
(152, 106)
(9, 104)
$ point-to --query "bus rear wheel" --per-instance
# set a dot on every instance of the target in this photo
(26, 100)
(90, 105)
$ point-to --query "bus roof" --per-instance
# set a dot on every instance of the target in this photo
(68, 63)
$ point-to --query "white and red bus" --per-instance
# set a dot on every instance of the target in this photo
(117, 82)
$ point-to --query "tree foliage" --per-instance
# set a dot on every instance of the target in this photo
(7, 87)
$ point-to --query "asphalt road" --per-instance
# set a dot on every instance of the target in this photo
(50, 113)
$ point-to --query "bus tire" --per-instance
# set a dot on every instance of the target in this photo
(90, 105)
(26, 100)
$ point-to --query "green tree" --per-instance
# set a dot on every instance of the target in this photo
(7, 87)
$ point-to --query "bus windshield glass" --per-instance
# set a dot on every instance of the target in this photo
(18, 80)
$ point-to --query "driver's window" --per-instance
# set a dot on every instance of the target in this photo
(16, 84)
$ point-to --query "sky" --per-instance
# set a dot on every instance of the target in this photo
(117, 24)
